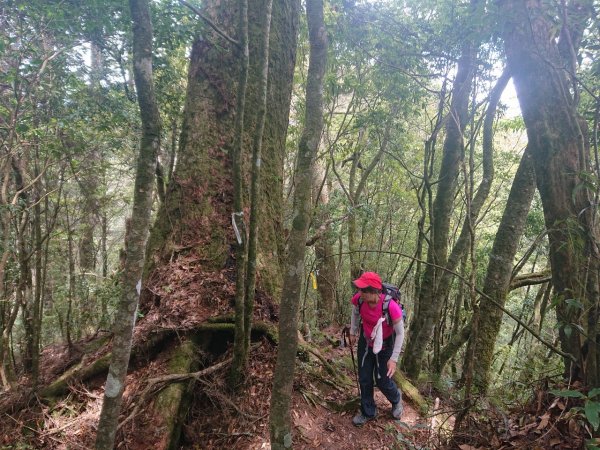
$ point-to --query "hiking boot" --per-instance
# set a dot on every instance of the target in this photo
(397, 409)
(360, 419)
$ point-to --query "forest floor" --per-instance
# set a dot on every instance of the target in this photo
(322, 412)
(324, 401)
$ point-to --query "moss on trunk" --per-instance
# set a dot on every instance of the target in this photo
(172, 403)
(195, 218)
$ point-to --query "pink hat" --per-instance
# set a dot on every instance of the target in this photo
(368, 279)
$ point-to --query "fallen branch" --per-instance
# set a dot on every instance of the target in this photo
(227, 400)
(158, 383)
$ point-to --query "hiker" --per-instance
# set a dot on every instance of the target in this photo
(379, 345)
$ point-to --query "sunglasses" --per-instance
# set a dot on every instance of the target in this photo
(369, 290)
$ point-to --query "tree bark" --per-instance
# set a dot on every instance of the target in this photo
(280, 421)
(87, 175)
(466, 237)
(255, 184)
(325, 268)
(282, 61)
(559, 148)
(237, 217)
(38, 287)
(135, 240)
(430, 304)
(462, 243)
(497, 281)
(195, 219)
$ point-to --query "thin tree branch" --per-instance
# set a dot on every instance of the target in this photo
(480, 292)
(324, 226)
(210, 23)
(530, 279)
(163, 381)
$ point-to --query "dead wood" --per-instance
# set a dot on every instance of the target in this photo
(158, 383)
(410, 391)
(87, 369)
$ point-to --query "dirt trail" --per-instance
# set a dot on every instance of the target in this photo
(318, 426)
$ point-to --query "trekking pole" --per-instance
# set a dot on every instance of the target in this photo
(346, 333)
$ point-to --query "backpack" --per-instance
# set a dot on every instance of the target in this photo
(392, 293)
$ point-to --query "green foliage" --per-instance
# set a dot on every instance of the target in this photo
(516, 364)
(513, 124)
(389, 63)
(591, 407)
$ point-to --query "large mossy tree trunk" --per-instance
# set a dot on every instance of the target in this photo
(195, 219)
(430, 303)
(498, 276)
(237, 160)
(280, 420)
(137, 233)
(558, 143)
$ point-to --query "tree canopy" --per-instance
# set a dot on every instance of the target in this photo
(450, 146)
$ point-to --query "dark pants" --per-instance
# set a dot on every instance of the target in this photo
(372, 369)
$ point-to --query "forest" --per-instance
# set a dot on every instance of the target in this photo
(188, 189)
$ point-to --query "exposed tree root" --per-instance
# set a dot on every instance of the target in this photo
(158, 383)
(410, 391)
(338, 376)
(86, 370)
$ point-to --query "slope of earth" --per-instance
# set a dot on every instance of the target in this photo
(322, 410)
(324, 398)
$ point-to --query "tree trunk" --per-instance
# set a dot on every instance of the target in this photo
(104, 316)
(38, 287)
(195, 219)
(326, 271)
(87, 175)
(466, 237)
(24, 283)
(499, 270)
(280, 421)
(261, 76)
(68, 326)
(8, 308)
(558, 146)
(462, 243)
(135, 240)
(430, 303)
(282, 61)
(424, 196)
(237, 217)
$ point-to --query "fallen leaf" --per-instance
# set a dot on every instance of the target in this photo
(555, 441)
(495, 441)
(544, 421)
(573, 427)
